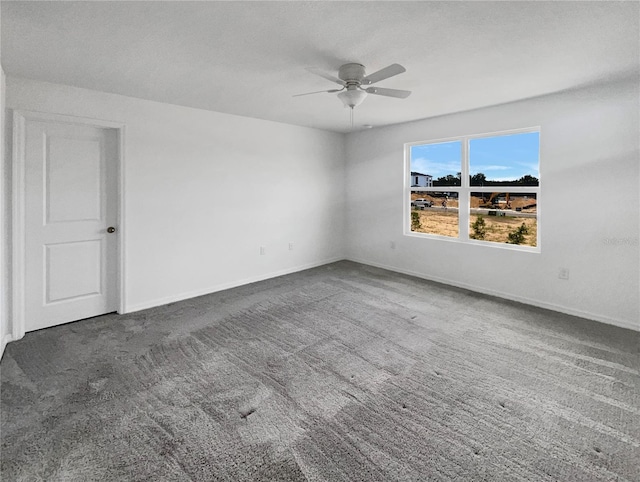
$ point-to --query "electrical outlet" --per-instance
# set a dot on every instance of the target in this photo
(392, 245)
(290, 246)
(563, 273)
(263, 250)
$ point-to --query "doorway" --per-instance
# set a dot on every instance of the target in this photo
(66, 220)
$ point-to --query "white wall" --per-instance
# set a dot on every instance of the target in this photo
(590, 203)
(5, 329)
(204, 190)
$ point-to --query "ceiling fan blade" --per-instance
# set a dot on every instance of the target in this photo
(400, 94)
(390, 71)
(324, 75)
(318, 92)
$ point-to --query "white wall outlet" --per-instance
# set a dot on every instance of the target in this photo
(563, 273)
(392, 245)
(263, 250)
(290, 246)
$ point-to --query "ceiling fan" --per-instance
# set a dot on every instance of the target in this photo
(352, 78)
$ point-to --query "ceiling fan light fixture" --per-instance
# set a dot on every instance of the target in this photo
(352, 98)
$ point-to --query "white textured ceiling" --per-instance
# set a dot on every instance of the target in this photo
(249, 58)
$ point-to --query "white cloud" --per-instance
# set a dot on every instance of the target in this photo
(502, 179)
(435, 168)
(491, 168)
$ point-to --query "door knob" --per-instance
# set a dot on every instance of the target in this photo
(111, 229)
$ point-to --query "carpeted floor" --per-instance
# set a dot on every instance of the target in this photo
(343, 372)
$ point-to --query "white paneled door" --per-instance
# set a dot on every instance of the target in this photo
(70, 181)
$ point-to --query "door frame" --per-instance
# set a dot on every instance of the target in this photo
(18, 215)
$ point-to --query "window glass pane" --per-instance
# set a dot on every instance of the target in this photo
(510, 160)
(499, 217)
(436, 164)
(434, 213)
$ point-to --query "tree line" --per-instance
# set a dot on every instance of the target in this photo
(480, 179)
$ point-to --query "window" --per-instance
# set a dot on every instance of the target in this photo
(481, 189)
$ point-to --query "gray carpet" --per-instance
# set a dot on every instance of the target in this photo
(343, 372)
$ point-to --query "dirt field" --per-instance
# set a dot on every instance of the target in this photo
(497, 228)
(527, 204)
(438, 222)
(437, 201)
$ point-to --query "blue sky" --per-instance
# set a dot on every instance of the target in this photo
(500, 158)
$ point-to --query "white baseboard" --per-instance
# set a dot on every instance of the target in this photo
(499, 294)
(225, 286)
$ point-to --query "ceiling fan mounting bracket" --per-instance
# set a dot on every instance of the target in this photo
(352, 73)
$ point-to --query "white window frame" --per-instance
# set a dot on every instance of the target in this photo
(464, 193)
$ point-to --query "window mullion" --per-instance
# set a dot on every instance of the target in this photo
(463, 196)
